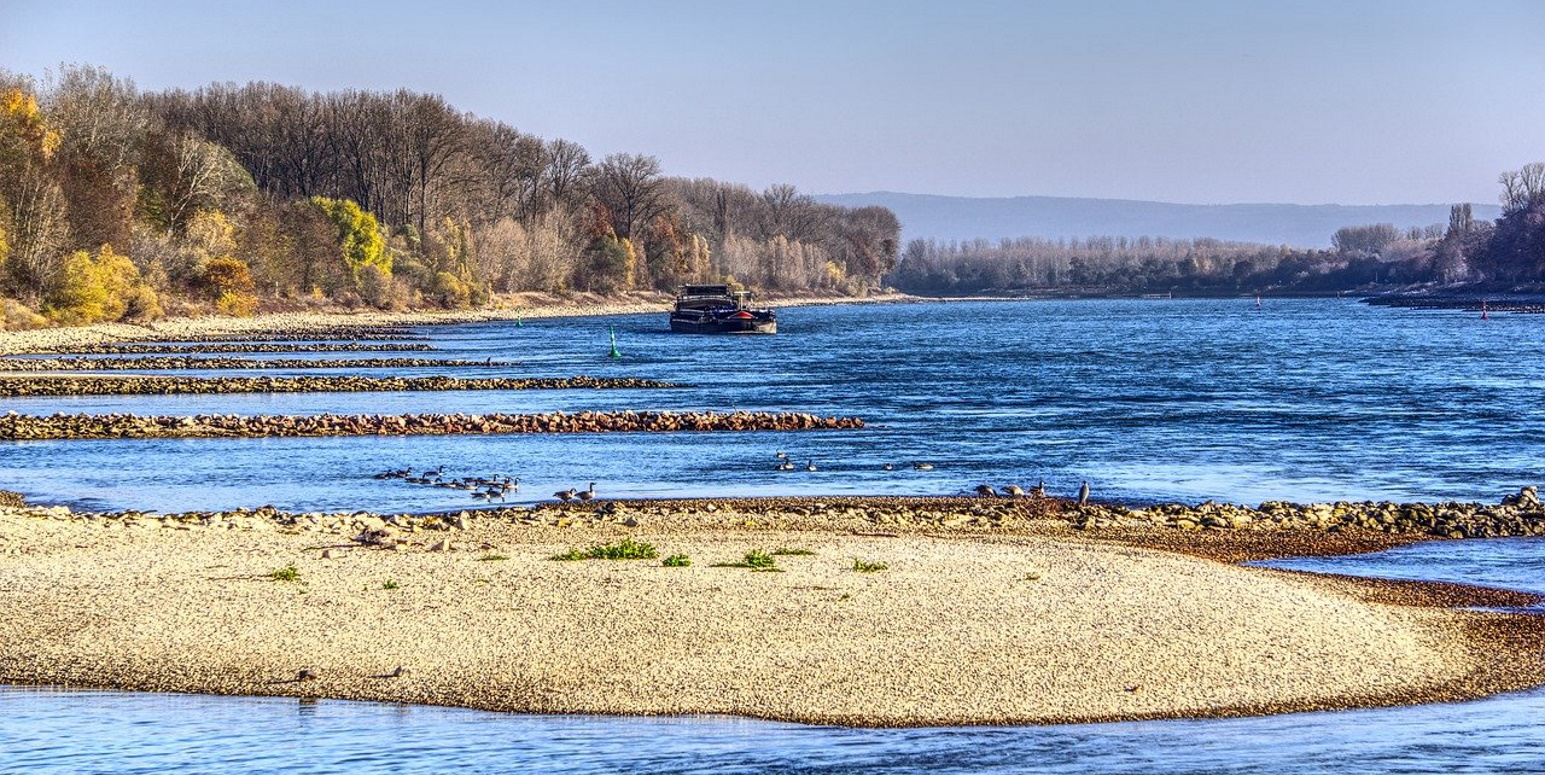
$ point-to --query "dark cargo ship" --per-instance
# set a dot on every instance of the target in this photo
(715, 309)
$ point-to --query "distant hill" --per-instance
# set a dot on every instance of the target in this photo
(945, 218)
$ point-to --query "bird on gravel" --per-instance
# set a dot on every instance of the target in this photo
(1083, 493)
(589, 494)
(1039, 491)
(1014, 491)
(305, 675)
(565, 495)
(986, 491)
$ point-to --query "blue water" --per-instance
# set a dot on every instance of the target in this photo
(1149, 400)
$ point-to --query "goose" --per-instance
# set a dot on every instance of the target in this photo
(1039, 491)
(923, 466)
(1083, 493)
(1014, 491)
(781, 455)
(786, 465)
(586, 495)
(986, 491)
(565, 495)
(509, 485)
(889, 467)
(810, 465)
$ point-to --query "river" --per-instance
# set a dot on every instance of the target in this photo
(1148, 400)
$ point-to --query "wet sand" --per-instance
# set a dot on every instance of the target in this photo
(1039, 624)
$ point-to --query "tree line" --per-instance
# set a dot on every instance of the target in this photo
(121, 204)
(1508, 251)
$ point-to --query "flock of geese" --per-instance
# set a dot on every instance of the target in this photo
(492, 487)
(481, 487)
(985, 490)
(787, 464)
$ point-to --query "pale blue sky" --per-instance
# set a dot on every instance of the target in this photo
(1207, 101)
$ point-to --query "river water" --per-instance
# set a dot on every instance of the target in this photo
(1148, 400)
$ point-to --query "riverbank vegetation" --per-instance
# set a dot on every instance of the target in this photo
(1466, 251)
(118, 204)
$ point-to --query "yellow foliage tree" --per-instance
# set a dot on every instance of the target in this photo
(21, 122)
(96, 288)
(359, 235)
(229, 281)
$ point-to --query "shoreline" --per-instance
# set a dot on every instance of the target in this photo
(526, 306)
(1034, 623)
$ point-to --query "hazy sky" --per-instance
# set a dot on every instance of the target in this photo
(1347, 101)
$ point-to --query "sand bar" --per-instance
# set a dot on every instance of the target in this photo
(1039, 625)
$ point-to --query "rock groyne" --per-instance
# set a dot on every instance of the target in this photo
(31, 387)
(19, 427)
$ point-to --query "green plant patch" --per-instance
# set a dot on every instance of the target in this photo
(785, 551)
(492, 558)
(865, 566)
(677, 561)
(626, 549)
(287, 573)
(390, 584)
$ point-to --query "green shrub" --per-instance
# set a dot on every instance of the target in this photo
(863, 566)
(677, 561)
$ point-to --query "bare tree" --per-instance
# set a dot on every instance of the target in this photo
(1523, 188)
(631, 189)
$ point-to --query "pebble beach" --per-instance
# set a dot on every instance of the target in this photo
(1031, 621)
(861, 611)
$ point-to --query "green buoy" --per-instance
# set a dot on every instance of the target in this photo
(615, 352)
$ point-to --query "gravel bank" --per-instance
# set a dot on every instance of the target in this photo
(1046, 624)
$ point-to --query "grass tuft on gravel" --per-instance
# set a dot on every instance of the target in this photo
(287, 573)
(626, 549)
(865, 566)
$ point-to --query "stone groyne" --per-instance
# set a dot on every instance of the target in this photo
(28, 387)
(142, 348)
(186, 363)
(19, 427)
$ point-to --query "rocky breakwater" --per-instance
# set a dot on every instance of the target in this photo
(336, 333)
(1520, 514)
(20, 427)
(31, 387)
(145, 348)
(186, 363)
